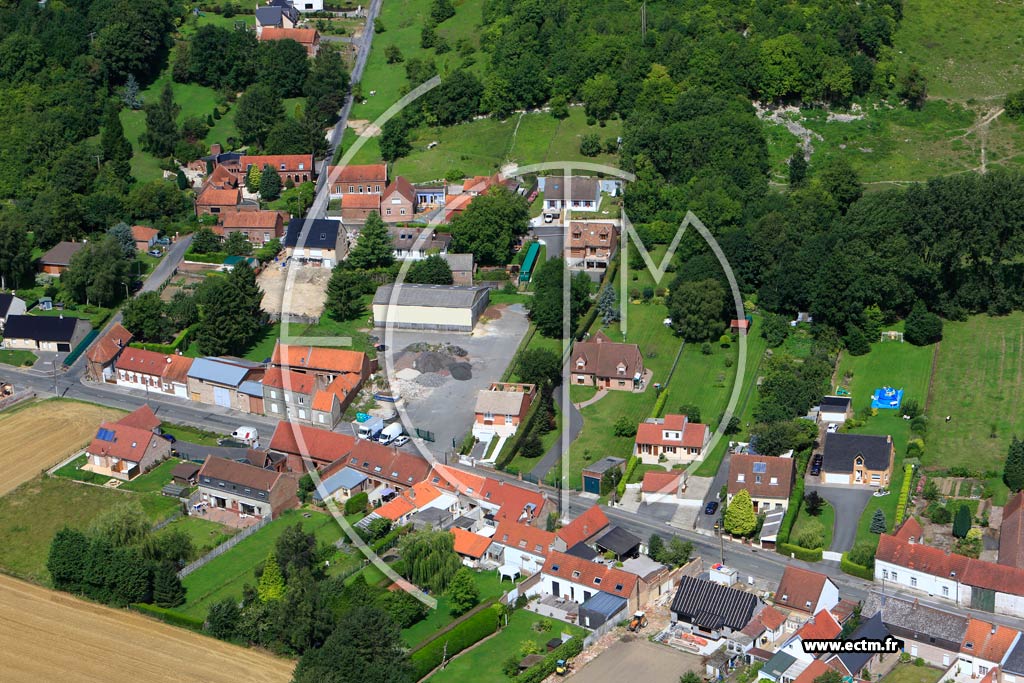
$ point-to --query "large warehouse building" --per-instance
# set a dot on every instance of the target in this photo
(450, 308)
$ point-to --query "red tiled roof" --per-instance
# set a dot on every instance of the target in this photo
(592, 234)
(799, 588)
(251, 219)
(142, 361)
(602, 357)
(177, 369)
(822, 626)
(524, 537)
(142, 417)
(358, 173)
(303, 36)
(910, 529)
(386, 463)
(211, 196)
(584, 572)
(920, 557)
(515, 503)
(694, 433)
(844, 610)
(988, 641)
(584, 527)
(815, 669)
(127, 443)
(142, 233)
(395, 509)
(341, 387)
(741, 324)
(106, 347)
(661, 482)
(402, 187)
(1011, 532)
(469, 544)
(291, 162)
(318, 358)
(319, 444)
(996, 577)
(772, 618)
(221, 178)
(288, 380)
(458, 481)
(360, 201)
(779, 470)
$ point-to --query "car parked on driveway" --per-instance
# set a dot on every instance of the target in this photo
(155, 252)
(711, 507)
(169, 437)
(816, 465)
(400, 441)
(832, 428)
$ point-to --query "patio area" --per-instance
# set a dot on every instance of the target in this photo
(562, 609)
(229, 518)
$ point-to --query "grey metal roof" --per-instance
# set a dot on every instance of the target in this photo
(777, 664)
(618, 540)
(604, 604)
(268, 16)
(581, 187)
(582, 551)
(835, 403)
(345, 478)
(433, 296)
(841, 450)
(213, 370)
(459, 262)
(603, 465)
(251, 387)
(5, 303)
(1014, 663)
(323, 233)
(713, 605)
(41, 327)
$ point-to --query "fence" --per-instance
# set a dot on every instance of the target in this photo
(80, 349)
(223, 547)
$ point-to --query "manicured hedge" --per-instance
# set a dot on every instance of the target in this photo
(857, 570)
(179, 343)
(538, 672)
(216, 257)
(630, 468)
(659, 405)
(169, 616)
(472, 630)
(901, 504)
(801, 553)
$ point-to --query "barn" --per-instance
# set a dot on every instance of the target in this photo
(447, 308)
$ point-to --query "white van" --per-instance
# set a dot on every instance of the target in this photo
(390, 433)
(247, 435)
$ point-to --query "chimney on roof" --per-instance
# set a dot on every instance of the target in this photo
(993, 631)
(215, 149)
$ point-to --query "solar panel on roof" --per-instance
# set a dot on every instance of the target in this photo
(760, 467)
(105, 435)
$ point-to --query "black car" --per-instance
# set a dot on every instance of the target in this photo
(711, 507)
(170, 437)
(816, 466)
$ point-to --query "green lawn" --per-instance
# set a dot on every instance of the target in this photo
(487, 585)
(977, 382)
(205, 534)
(908, 673)
(888, 364)
(17, 358)
(483, 663)
(329, 327)
(154, 480)
(264, 348)
(31, 514)
(96, 315)
(225, 575)
(73, 470)
(191, 434)
(827, 517)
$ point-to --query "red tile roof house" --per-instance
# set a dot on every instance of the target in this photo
(584, 528)
(221, 193)
(661, 487)
(521, 546)
(259, 227)
(337, 374)
(501, 408)
(505, 502)
(308, 38)
(299, 442)
(577, 580)
(246, 490)
(902, 559)
(767, 479)
(806, 592)
(985, 647)
(297, 168)
(356, 208)
(358, 179)
(470, 547)
(591, 245)
(127, 448)
(305, 397)
(104, 352)
(606, 364)
(821, 626)
(145, 237)
(152, 371)
(670, 440)
(398, 203)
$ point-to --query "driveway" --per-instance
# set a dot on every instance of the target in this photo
(445, 407)
(198, 453)
(553, 236)
(624, 661)
(707, 522)
(572, 421)
(848, 502)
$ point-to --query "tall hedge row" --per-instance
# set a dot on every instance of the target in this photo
(472, 630)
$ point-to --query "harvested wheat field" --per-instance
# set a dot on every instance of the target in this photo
(41, 435)
(50, 636)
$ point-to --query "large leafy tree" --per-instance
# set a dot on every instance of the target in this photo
(325, 87)
(222, 619)
(539, 366)
(297, 552)
(462, 592)
(146, 317)
(433, 270)
(98, 273)
(231, 317)
(489, 224)
(15, 252)
(161, 133)
(430, 558)
(363, 648)
(117, 151)
(270, 184)
(258, 110)
(167, 588)
(345, 294)
(122, 232)
(922, 327)
(67, 560)
(272, 585)
(697, 309)
(740, 519)
(282, 66)
(373, 248)
(546, 305)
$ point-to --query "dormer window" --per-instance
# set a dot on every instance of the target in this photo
(968, 646)
(597, 580)
(785, 597)
(580, 363)
(618, 586)
(807, 604)
(554, 567)
(575, 574)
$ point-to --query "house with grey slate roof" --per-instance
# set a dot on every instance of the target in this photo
(932, 634)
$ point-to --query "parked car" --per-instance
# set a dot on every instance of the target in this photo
(833, 428)
(711, 507)
(390, 433)
(400, 441)
(155, 252)
(170, 437)
(816, 465)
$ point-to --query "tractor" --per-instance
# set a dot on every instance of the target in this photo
(638, 621)
(562, 667)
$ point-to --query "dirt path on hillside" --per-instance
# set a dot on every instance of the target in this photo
(51, 636)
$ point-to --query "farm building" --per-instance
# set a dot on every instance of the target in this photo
(430, 307)
(217, 381)
(44, 333)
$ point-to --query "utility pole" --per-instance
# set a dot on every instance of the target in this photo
(721, 542)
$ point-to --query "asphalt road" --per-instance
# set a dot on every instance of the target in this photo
(848, 503)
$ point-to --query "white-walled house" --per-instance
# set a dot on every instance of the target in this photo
(578, 580)
(806, 591)
(522, 546)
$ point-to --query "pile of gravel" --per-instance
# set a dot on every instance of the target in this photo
(432, 361)
(431, 379)
(461, 371)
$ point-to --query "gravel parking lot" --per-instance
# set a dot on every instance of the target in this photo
(624, 660)
(441, 398)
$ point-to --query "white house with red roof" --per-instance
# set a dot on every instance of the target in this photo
(673, 438)
(521, 546)
(127, 448)
(577, 580)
